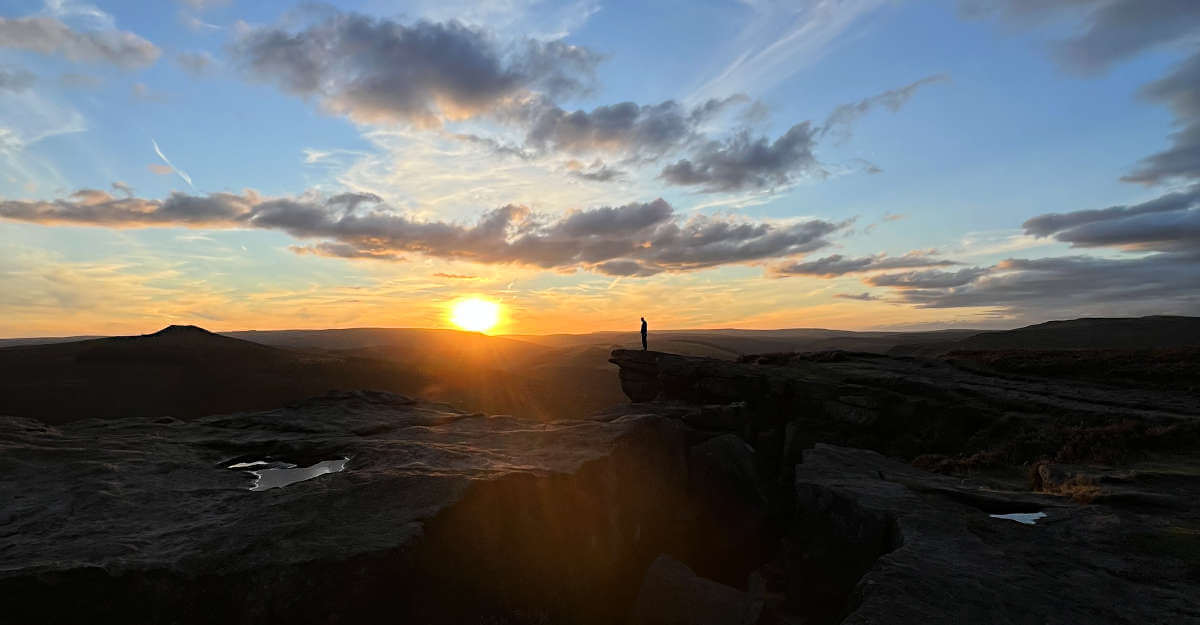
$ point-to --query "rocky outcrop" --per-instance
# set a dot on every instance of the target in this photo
(913, 408)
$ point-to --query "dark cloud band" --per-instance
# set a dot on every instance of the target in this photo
(638, 239)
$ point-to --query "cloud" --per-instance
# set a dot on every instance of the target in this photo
(597, 171)
(928, 279)
(1113, 31)
(1073, 285)
(1168, 223)
(1180, 91)
(345, 250)
(80, 81)
(746, 162)
(196, 24)
(141, 91)
(382, 71)
(16, 79)
(195, 63)
(838, 265)
(454, 276)
(48, 35)
(162, 170)
(634, 239)
(1119, 29)
(780, 38)
(202, 5)
(840, 121)
(646, 131)
(123, 188)
(98, 208)
(158, 151)
(496, 147)
(862, 297)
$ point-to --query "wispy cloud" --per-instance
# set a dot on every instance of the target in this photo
(158, 151)
(99, 41)
(781, 38)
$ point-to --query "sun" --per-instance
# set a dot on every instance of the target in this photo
(474, 314)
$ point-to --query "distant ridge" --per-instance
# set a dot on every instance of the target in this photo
(181, 371)
(1152, 332)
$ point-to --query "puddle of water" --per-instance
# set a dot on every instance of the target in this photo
(247, 465)
(1024, 518)
(284, 474)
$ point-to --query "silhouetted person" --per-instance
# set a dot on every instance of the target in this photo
(643, 334)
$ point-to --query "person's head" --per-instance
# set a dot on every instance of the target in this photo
(643, 318)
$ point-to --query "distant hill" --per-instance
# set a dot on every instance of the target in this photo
(180, 371)
(44, 340)
(1156, 332)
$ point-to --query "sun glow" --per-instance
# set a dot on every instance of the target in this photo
(474, 314)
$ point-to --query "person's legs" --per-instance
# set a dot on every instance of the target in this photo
(643, 342)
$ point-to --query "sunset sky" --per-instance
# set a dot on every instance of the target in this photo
(855, 164)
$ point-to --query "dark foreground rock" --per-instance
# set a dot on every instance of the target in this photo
(439, 516)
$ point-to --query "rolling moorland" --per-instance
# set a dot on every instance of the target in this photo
(184, 371)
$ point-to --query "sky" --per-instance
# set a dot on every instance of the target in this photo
(853, 164)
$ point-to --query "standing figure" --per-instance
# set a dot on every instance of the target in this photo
(643, 334)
